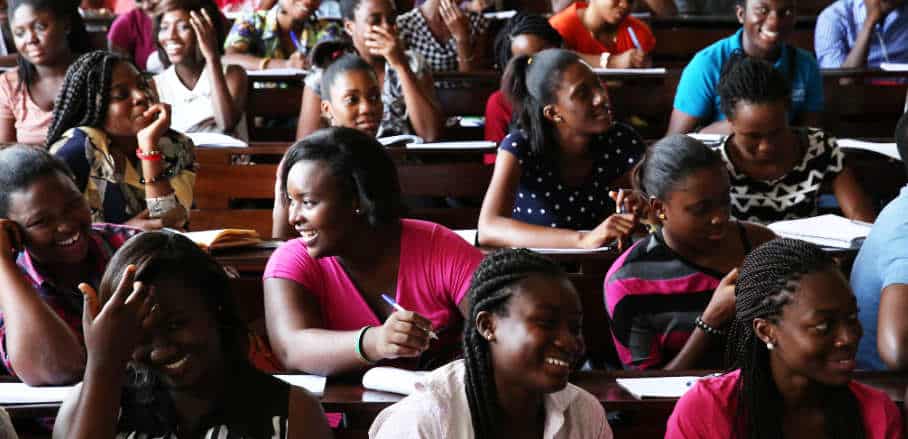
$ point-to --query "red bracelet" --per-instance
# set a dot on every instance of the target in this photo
(152, 156)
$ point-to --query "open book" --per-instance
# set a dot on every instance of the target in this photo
(224, 238)
(392, 379)
(824, 230)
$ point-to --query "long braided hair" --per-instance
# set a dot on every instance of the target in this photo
(77, 38)
(767, 282)
(85, 93)
(491, 290)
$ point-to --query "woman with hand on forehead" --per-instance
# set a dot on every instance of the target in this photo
(407, 90)
(449, 39)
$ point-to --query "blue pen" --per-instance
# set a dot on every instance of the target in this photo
(296, 41)
(397, 306)
(633, 35)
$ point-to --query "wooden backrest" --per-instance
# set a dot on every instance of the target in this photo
(272, 107)
(861, 103)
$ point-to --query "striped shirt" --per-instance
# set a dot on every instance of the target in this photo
(653, 296)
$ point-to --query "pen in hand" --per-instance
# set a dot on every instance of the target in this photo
(397, 307)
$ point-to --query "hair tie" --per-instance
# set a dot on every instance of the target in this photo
(530, 60)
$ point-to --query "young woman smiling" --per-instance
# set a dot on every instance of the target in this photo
(407, 89)
(521, 342)
(793, 344)
(48, 245)
(323, 291)
(48, 35)
(601, 32)
(766, 27)
(671, 294)
(202, 93)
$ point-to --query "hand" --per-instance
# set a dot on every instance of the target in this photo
(404, 334)
(205, 35)
(721, 307)
(145, 222)
(616, 226)
(456, 21)
(158, 118)
(878, 9)
(10, 239)
(629, 59)
(478, 6)
(175, 218)
(112, 333)
(634, 202)
(383, 42)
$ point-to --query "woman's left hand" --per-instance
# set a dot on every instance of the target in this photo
(383, 41)
(205, 35)
(159, 116)
(456, 21)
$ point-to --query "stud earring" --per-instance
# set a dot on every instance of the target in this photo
(357, 211)
(770, 346)
(559, 119)
(662, 216)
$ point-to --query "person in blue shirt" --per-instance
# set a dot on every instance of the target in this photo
(766, 27)
(879, 279)
(862, 33)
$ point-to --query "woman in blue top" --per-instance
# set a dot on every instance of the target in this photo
(552, 177)
(766, 27)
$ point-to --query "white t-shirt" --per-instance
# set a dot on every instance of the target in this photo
(192, 111)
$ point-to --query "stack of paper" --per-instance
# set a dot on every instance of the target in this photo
(888, 149)
(392, 379)
(313, 383)
(657, 387)
(216, 140)
(824, 230)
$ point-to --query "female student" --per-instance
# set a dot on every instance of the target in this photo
(671, 295)
(116, 137)
(407, 90)
(48, 35)
(520, 344)
(352, 99)
(766, 26)
(793, 344)
(524, 34)
(447, 38)
(606, 35)
(204, 94)
(551, 180)
(777, 171)
(166, 358)
(279, 37)
(132, 34)
(323, 291)
(48, 245)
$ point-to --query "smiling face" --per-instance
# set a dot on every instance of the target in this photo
(581, 103)
(817, 335)
(537, 340)
(130, 97)
(697, 209)
(368, 14)
(767, 24)
(185, 343)
(355, 101)
(39, 35)
(321, 208)
(54, 218)
(176, 36)
(299, 10)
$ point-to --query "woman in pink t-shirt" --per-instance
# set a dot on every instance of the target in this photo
(48, 35)
(794, 341)
(323, 303)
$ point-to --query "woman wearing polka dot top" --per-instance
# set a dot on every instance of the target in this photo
(552, 177)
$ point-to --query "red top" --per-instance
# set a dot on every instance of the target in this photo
(708, 409)
(578, 38)
(498, 117)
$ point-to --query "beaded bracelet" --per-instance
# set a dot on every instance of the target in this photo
(709, 330)
(152, 156)
(359, 345)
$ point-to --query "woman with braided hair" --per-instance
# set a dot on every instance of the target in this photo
(115, 136)
(671, 294)
(792, 346)
(521, 341)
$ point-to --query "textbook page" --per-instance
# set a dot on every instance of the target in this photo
(392, 379)
(825, 230)
(313, 383)
(888, 149)
(657, 387)
(21, 393)
(215, 140)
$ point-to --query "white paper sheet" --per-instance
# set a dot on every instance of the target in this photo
(289, 72)
(469, 235)
(894, 66)
(21, 393)
(888, 149)
(216, 140)
(650, 71)
(392, 379)
(657, 387)
(824, 230)
(467, 145)
(402, 139)
(313, 383)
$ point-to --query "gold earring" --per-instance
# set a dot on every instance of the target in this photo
(558, 119)
(662, 216)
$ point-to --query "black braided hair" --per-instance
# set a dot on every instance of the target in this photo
(218, 24)
(530, 83)
(84, 94)
(523, 24)
(146, 403)
(768, 280)
(63, 10)
(751, 80)
(669, 161)
(491, 290)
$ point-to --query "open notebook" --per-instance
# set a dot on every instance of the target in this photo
(392, 379)
(824, 230)
(224, 238)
